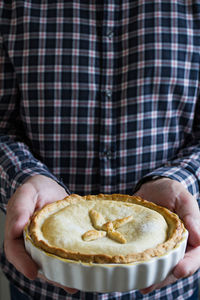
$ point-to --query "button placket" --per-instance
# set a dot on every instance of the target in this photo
(107, 153)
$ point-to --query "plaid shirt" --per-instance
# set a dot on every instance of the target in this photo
(97, 95)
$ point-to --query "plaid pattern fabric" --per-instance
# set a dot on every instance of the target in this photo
(97, 95)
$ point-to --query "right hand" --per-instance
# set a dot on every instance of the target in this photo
(36, 192)
(174, 196)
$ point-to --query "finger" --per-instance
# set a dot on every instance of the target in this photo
(67, 289)
(186, 267)
(169, 280)
(189, 264)
(17, 255)
(17, 216)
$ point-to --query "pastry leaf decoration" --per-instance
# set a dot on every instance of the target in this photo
(102, 228)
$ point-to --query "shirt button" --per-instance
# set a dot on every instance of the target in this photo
(108, 93)
(110, 34)
(107, 154)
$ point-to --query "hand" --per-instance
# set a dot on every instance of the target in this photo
(32, 195)
(173, 195)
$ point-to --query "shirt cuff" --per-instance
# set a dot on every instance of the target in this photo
(18, 175)
(182, 175)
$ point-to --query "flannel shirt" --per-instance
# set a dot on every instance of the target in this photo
(97, 95)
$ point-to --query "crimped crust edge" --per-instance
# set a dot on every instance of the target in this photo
(176, 229)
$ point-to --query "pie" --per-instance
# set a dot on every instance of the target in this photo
(105, 229)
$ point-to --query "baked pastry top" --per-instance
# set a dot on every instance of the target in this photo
(105, 229)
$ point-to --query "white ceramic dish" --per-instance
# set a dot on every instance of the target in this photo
(105, 277)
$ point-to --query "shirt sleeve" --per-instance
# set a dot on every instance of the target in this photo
(185, 168)
(17, 163)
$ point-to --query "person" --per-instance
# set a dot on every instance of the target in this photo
(99, 97)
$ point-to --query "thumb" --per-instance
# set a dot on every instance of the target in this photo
(193, 226)
(188, 210)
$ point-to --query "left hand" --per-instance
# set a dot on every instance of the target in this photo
(174, 196)
(36, 192)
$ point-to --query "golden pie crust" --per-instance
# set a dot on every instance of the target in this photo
(105, 229)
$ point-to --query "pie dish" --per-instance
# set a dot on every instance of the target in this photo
(92, 242)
